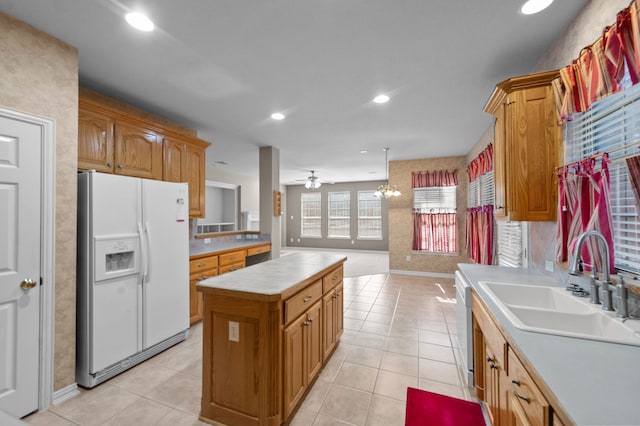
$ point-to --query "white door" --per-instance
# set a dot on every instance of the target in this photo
(166, 284)
(20, 238)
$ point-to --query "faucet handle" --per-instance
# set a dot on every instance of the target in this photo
(572, 287)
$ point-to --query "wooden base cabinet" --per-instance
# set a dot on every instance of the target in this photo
(332, 309)
(510, 394)
(303, 355)
(261, 352)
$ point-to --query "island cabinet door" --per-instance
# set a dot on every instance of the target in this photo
(294, 363)
(314, 351)
(328, 319)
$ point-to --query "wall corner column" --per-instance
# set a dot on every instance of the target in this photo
(270, 182)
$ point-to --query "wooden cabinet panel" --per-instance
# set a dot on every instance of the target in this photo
(199, 269)
(299, 303)
(294, 371)
(173, 161)
(525, 394)
(232, 267)
(138, 152)
(259, 250)
(328, 319)
(332, 279)
(232, 257)
(314, 356)
(203, 264)
(527, 148)
(194, 174)
(95, 141)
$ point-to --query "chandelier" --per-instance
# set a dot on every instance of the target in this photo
(387, 191)
(312, 181)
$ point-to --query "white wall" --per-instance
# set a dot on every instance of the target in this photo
(249, 191)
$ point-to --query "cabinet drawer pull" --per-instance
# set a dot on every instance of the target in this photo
(201, 265)
(515, 383)
(307, 298)
(335, 277)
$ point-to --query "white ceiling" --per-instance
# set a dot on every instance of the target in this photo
(223, 67)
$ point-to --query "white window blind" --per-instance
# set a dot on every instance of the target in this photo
(512, 244)
(435, 199)
(486, 189)
(339, 215)
(613, 125)
(311, 208)
(369, 216)
(473, 198)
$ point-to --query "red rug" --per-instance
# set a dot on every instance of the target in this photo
(427, 408)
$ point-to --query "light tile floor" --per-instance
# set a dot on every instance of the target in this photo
(399, 332)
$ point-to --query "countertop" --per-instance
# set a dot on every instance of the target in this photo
(226, 246)
(274, 279)
(597, 383)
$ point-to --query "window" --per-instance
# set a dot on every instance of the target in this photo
(435, 224)
(612, 125)
(512, 244)
(339, 215)
(481, 191)
(369, 216)
(311, 207)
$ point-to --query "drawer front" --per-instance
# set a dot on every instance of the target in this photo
(526, 393)
(205, 274)
(232, 257)
(332, 279)
(232, 267)
(203, 264)
(258, 250)
(302, 301)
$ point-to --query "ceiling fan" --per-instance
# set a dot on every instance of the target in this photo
(313, 181)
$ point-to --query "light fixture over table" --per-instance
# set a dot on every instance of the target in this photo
(387, 191)
(312, 181)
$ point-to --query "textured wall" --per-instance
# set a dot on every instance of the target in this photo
(401, 220)
(39, 75)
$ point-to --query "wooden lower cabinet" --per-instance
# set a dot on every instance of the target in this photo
(262, 352)
(510, 394)
(303, 355)
(332, 308)
(200, 269)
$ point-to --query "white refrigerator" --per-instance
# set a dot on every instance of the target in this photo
(132, 272)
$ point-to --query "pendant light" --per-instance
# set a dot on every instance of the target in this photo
(387, 191)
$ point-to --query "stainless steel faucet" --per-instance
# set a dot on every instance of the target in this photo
(575, 269)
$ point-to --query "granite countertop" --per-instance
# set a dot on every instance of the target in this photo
(274, 279)
(596, 382)
(225, 246)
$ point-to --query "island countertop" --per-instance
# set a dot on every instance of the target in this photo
(275, 279)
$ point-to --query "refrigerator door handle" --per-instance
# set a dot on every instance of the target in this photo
(145, 253)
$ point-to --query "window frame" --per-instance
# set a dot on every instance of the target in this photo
(331, 217)
(304, 195)
(372, 218)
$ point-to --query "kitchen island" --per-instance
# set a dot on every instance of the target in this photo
(267, 332)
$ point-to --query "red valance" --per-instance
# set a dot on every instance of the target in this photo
(599, 68)
(436, 178)
(482, 164)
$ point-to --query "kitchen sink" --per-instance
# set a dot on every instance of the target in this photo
(553, 310)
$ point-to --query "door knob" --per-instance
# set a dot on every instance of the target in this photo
(27, 284)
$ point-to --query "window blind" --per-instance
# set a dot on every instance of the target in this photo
(613, 125)
(339, 215)
(311, 214)
(512, 244)
(473, 197)
(435, 199)
(369, 216)
(486, 189)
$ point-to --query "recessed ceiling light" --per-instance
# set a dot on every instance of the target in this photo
(364, 151)
(139, 21)
(381, 99)
(534, 6)
(277, 116)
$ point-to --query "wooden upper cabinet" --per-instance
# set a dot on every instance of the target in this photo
(111, 140)
(527, 148)
(138, 152)
(184, 161)
(95, 136)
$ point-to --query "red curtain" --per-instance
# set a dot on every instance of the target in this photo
(584, 206)
(435, 232)
(436, 178)
(479, 227)
(599, 68)
(482, 164)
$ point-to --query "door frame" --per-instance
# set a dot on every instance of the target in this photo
(47, 249)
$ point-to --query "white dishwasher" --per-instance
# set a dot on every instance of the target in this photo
(464, 325)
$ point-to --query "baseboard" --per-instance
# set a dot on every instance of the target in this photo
(66, 393)
(421, 274)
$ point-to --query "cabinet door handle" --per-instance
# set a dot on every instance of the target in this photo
(490, 359)
(120, 166)
(305, 323)
(525, 398)
(307, 298)
(109, 164)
